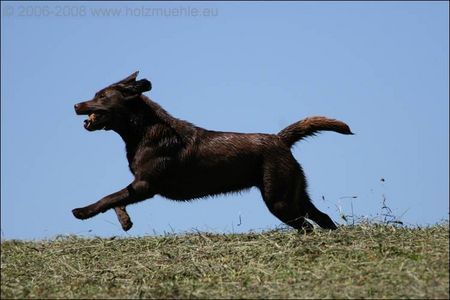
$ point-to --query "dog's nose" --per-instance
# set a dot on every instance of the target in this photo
(80, 108)
(77, 106)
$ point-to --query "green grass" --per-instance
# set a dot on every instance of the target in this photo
(365, 261)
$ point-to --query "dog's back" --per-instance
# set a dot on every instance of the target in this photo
(220, 162)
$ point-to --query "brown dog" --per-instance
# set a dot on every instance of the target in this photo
(180, 161)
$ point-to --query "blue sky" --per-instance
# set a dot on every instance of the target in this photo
(382, 67)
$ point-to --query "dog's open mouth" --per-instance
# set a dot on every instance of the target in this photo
(96, 121)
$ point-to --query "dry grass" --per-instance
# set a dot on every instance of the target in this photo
(364, 261)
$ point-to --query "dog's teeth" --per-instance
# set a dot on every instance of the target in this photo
(91, 117)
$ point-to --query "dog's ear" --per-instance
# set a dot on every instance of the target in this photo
(143, 85)
(139, 87)
(129, 79)
(133, 89)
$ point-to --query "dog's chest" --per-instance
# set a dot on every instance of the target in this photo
(145, 161)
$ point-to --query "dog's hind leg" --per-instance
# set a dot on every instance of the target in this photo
(280, 192)
(322, 219)
(288, 214)
(292, 208)
(284, 192)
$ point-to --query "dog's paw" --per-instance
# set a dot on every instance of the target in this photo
(80, 213)
(127, 225)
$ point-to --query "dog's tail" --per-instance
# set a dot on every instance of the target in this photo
(310, 126)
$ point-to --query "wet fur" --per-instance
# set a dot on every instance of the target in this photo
(180, 161)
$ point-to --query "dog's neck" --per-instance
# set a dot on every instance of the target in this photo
(134, 126)
(132, 122)
(130, 132)
(146, 118)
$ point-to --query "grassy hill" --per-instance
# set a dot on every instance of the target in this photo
(364, 261)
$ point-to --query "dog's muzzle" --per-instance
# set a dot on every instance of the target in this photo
(96, 119)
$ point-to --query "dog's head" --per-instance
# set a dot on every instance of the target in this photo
(110, 100)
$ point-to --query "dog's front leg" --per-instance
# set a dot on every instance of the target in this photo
(123, 217)
(135, 192)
